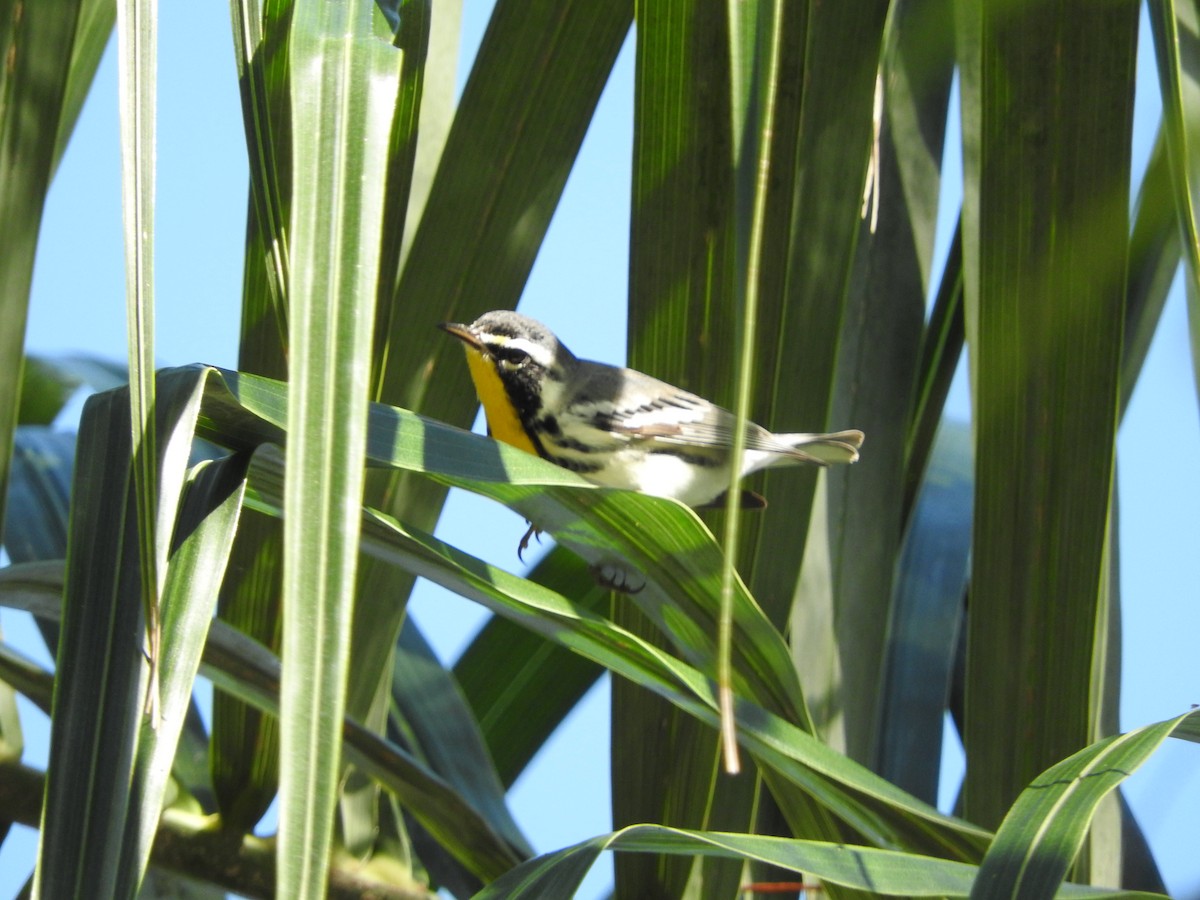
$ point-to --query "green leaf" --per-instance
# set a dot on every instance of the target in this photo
(93, 739)
(680, 565)
(1045, 241)
(412, 37)
(878, 364)
(243, 753)
(35, 588)
(244, 750)
(1176, 27)
(941, 350)
(344, 81)
(243, 667)
(831, 57)
(879, 872)
(137, 67)
(1042, 833)
(681, 291)
(446, 734)
(45, 389)
(91, 744)
(260, 29)
(39, 494)
(1155, 248)
(207, 522)
(12, 736)
(92, 32)
(36, 42)
(515, 135)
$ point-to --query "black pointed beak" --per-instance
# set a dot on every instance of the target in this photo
(462, 332)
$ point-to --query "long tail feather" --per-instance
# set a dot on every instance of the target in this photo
(824, 449)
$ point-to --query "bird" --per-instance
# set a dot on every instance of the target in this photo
(618, 427)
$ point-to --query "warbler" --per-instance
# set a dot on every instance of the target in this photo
(618, 427)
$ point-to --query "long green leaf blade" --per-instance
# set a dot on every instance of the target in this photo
(100, 644)
(33, 83)
(193, 579)
(878, 872)
(1045, 238)
(244, 748)
(94, 736)
(682, 281)
(926, 617)
(137, 51)
(1176, 29)
(877, 367)
(344, 82)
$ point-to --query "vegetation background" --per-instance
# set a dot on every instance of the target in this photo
(579, 285)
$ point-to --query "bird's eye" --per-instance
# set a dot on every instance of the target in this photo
(512, 356)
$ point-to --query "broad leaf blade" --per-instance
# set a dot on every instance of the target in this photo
(246, 669)
(1045, 238)
(446, 733)
(878, 363)
(34, 84)
(93, 740)
(1155, 248)
(244, 749)
(208, 520)
(101, 643)
(682, 259)
(344, 81)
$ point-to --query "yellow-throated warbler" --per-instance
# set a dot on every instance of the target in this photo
(615, 426)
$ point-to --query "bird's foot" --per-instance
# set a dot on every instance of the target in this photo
(614, 578)
(532, 532)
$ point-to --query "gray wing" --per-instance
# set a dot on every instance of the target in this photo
(641, 408)
(630, 403)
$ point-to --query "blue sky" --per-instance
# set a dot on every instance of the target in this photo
(578, 286)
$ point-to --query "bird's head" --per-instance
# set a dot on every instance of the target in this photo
(517, 346)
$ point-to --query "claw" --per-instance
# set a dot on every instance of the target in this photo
(532, 532)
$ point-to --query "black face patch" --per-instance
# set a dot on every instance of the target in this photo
(522, 387)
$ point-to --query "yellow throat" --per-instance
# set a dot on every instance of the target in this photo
(502, 420)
